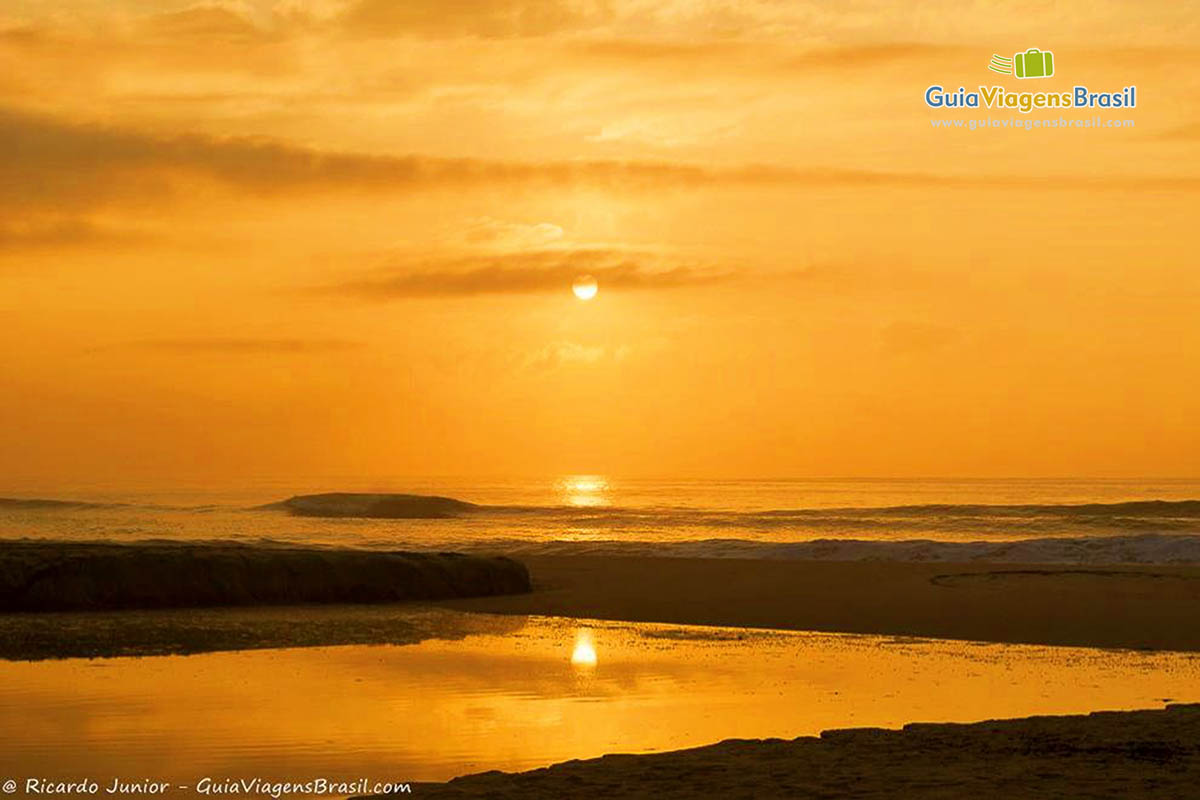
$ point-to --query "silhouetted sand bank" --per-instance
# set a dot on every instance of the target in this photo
(1138, 754)
(1129, 606)
(60, 576)
(375, 506)
(36, 636)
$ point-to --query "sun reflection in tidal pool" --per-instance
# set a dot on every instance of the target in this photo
(584, 654)
(515, 693)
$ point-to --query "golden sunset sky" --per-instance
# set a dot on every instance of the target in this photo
(337, 237)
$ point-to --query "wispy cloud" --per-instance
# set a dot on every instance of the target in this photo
(53, 163)
(204, 22)
(753, 57)
(484, 18)
(35, 234)
(523, 273)
(557, 354)
(491, 232)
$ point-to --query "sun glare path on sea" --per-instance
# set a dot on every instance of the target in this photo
(584, 491)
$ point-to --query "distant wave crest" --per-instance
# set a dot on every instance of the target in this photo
(40, 504)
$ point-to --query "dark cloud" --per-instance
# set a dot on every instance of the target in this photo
(52, 163)
(63, 155)
(49, 163)
(50, 157)
(522, 273)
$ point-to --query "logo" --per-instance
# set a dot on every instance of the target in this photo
(1033, 63)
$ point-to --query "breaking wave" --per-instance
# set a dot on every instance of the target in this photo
(1142, 549)
(373, 506)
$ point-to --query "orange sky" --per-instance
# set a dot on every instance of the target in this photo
(317, 237)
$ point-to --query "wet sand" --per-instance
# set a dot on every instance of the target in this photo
(1136, 606)
(1140, 754)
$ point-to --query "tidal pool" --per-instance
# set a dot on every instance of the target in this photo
(514, 693)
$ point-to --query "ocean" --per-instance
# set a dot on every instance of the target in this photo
(1061, 520)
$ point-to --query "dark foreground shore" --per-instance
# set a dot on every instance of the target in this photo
(1135, 606)
(1139, 754)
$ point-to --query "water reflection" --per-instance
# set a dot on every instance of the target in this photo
(514, 700)
(583, 491)
(584, 654)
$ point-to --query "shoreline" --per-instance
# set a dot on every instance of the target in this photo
(1105, 754)
(1141, 607)
(1113, 606)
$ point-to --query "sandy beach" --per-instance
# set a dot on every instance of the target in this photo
(1143, 754)
(1151, 754)
(258, 613)
(1136, 606)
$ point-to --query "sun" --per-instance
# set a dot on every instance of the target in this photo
(585, 287)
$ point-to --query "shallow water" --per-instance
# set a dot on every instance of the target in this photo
(519, 693)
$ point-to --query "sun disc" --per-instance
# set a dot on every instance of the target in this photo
(585, 287)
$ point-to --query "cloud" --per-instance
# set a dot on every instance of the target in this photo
(492, 19)
(35, 234)
(202, 22)
(54, 159)
(754, 56)
(53, 163)
(235, 346)
(499, 233)
(558, 354)
(51, 158)
(522, 273)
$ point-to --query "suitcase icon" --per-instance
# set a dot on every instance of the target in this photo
(1034, 63)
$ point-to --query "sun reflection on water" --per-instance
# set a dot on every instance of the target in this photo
(584, 491)
(584, 654)
(517, 693)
